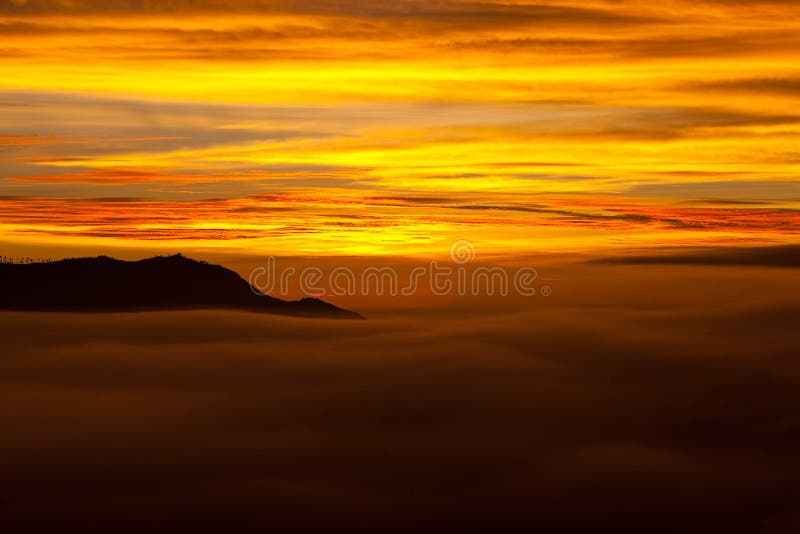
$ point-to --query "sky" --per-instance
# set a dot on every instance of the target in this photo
(641, 156)
(392, 128)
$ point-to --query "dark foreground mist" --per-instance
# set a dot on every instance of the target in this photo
(558, 418)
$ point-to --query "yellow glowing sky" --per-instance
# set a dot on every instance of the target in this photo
(357, 127)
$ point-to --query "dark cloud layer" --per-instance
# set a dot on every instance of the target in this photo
(447, 12)
(789, 86)
(764, 256)
(554, 419)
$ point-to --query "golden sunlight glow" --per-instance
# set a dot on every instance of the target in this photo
(373, 127)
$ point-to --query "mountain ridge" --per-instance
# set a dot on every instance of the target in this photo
(176, 282)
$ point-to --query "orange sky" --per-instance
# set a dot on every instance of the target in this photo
(364, 128)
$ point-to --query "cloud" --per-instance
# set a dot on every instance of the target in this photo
(373, 106)
(546, 418)
(665, 44)
(313, 214)
(787, 86)
(448, 13)
(763, 256)
(742, 189)
(613, 216)
(565, 213)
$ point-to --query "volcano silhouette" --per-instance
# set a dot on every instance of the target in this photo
(104, 284)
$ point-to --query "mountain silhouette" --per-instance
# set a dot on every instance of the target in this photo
(104, 284)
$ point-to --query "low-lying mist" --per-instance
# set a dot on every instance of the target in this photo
(561, 418)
